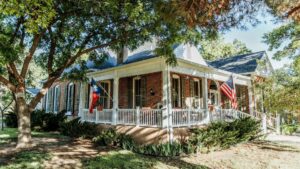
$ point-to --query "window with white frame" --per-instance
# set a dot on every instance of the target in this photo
(104, 99)
(196, 93)
(49, 103)
(137, 92)
(56, 98)
(176, 93)
(70, 98)
(213, 94)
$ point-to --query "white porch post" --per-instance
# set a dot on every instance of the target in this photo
(115, 99)
(205, 98)
(167, 105)
(251, 103)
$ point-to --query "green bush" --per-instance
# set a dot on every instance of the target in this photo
(222, 135)
(75, 128)
(126, 142)
(11, 120)
(289, 129)
(47, 121)
(107, 137)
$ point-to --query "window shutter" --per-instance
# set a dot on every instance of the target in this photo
(144, 91)
(192, 91)
(130, 92)
(183, 92)
(66, 97)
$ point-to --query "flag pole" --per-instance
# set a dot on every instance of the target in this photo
(98, 83)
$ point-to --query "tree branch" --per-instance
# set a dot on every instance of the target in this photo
(51, 52)
(28, 58)
(293, 10)
(7, 83)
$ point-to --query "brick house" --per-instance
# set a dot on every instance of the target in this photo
(152, 101)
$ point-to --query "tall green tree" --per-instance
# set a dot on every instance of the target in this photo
(55, 34)
(212, 49)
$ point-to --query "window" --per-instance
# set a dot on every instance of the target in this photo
(70, 98)
(49, 102)
(104, 98)
(137, 92)
(56, 99)
(213, 94)
(196, 93)
(176, 94)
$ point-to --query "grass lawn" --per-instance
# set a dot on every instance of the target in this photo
(10, 134)
(56, 151)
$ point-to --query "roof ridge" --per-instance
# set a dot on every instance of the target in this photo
(234, 56)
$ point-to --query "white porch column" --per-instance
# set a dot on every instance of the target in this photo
(251, 103)
(205, 97)
(115, 99)
(167, 106)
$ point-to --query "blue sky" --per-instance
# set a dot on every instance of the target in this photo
(252, 37)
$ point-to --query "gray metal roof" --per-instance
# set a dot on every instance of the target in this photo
(32, 91)
(240, 64)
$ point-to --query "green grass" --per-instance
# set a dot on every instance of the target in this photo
(27, 160)
(124, 159)
(10, 134)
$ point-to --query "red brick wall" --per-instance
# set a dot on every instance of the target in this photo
(153, 81)
(62, 103)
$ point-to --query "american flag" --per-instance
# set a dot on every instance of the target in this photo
(228, 89)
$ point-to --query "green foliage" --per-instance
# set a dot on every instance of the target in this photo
(47, 121)
(289, 129)
(107, 137)
(75, 128)
(222, 135)
(209, 51)
(284, 38)
(281, 88)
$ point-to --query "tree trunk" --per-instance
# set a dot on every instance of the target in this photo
(24, 129)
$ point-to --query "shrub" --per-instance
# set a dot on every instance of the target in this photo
(47, 121)
(222, 135)
(11, 120)
(75, 128)
(126, 142)
(107, 137)
(289, 129)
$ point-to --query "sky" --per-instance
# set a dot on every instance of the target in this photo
(252, 37)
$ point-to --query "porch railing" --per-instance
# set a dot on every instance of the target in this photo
(188, 117)
(140, 117)
(104, 116)
(228, 114)
(154, 117)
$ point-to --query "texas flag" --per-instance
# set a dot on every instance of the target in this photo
(95, 95)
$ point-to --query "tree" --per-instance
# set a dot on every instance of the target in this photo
(286, 9)
(217, 48)
(6, 101)
(56, 34)
(282, 90)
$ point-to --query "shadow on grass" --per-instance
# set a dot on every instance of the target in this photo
(25, 159)
(128, 160)
(267, 145)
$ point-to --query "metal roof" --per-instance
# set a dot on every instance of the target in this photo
(240, 64)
